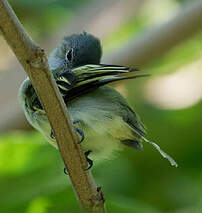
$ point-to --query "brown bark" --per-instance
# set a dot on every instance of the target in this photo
(34, 62)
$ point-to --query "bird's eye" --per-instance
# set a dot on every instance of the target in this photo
(69, 55)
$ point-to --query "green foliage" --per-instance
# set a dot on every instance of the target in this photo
(123, 34)
(32, 179)
(43, 17)
(31, 171)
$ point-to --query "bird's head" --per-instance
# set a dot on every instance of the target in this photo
(76, 50)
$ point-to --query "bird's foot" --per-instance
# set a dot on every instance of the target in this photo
(65, 171)
(88, 159)
(75, 128)
(52, 134)
(78, 130)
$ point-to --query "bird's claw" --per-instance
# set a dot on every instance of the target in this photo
(88, 159)
(65, 171)
(82, 138)
(52, 134)
(79, 131)
(75, 128)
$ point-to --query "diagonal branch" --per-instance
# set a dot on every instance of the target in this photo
(34, 62)
(148, 46)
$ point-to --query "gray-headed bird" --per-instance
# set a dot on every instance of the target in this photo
(101, 116)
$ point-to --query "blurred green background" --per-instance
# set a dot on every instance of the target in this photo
(169, 103)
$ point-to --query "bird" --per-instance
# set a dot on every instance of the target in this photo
(101, 116)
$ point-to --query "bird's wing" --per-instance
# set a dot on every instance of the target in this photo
(89, 77)
(94, 72)
(84, 79)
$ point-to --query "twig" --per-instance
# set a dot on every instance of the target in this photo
(34, 62)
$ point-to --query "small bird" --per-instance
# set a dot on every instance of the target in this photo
(101, 116)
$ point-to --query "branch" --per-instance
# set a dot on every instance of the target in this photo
(152, 43)
(34, 62)
(85, 18)
(149, 45)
